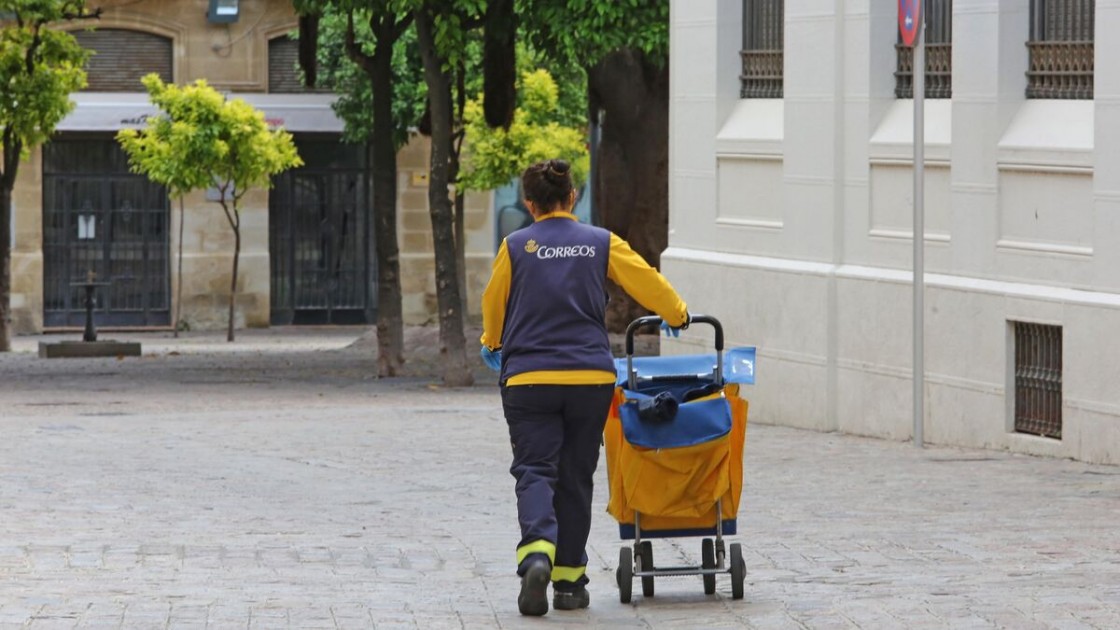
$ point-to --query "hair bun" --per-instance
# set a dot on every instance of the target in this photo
(559, 167)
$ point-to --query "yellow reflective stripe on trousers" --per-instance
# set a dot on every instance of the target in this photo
(537, 546)
(567, 574)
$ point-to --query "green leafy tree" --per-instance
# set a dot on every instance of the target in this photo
(442, 29)
(624, 49)
(174, 153)
(361, 53)
(201, 136)
(494, 156)
(571, 84)
(366, 52)
(39, 68)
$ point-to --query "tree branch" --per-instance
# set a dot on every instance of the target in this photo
(469, 24)
(225, 208)
(225, 204)
(353, 51)
(223, 187)
(83, 14)
(37, 25)
(12, 148)
(36, 40)
(401, 26)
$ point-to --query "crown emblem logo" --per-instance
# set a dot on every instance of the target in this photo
(531, 246)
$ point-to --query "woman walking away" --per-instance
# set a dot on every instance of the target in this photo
(543, 318)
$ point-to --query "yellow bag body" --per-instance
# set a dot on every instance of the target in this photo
(676, 488)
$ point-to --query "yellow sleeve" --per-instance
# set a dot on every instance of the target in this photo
(494, 299)
(644, 283)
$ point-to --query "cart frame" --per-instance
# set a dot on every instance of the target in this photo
(638, 562)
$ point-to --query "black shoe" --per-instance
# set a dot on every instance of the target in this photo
(571, 600)
(533, 599)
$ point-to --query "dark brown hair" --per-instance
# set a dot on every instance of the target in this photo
(547, 184)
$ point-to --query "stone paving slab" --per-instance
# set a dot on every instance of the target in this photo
(281, 487)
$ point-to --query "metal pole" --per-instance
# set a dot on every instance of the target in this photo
(919, 83)
(90, 333)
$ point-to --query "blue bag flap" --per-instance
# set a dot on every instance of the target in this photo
(738, 366)
(696, 422)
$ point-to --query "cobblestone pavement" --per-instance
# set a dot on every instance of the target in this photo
(275, 484)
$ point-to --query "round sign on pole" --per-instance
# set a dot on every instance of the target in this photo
(909, 20)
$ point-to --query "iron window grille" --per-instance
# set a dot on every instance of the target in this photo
(1038, 379)
(1061, 49)
(939, 54)
(763, 35)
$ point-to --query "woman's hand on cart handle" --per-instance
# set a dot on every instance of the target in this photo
(675, 331)
(492, 358)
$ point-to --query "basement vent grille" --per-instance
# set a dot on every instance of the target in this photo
(1038, 379)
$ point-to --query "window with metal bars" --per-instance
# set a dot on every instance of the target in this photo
(1061, 49)
(939, 54)
(762, 56)
(1038, 379)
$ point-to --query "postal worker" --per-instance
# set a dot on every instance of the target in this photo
(543, 317)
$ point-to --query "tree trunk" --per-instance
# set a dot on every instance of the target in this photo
(179, 273)
(5, 263)
(632, 167)
(10, 166)
(455, 164)
(383, 167)
(461, 248)
(452, 342)
(233, 281)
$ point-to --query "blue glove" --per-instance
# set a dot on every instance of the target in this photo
(492, 358)
(671, 331)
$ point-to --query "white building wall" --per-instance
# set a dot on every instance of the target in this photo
(791, 221)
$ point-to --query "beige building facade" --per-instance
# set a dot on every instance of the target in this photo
(307, 243)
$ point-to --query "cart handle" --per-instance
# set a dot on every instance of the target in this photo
(648, 320)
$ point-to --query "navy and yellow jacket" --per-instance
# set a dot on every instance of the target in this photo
(545, 304)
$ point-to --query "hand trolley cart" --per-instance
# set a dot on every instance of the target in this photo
(674, 441)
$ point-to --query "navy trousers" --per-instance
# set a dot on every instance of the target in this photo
(556, 431)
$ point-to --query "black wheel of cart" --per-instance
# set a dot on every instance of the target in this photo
(645, 559)
(708, 555)
(625, 575)
(738, 571)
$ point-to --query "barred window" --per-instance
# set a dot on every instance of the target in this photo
(938, 35)
(763, 35)
(1061, 49)
(1038, 379)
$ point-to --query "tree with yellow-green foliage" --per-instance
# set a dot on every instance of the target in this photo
(493, 155)
(202, 139)
(39, 68)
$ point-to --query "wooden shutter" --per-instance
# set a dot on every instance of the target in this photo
(121, 58)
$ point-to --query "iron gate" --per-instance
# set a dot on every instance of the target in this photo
(100, 219)
(319, 241)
